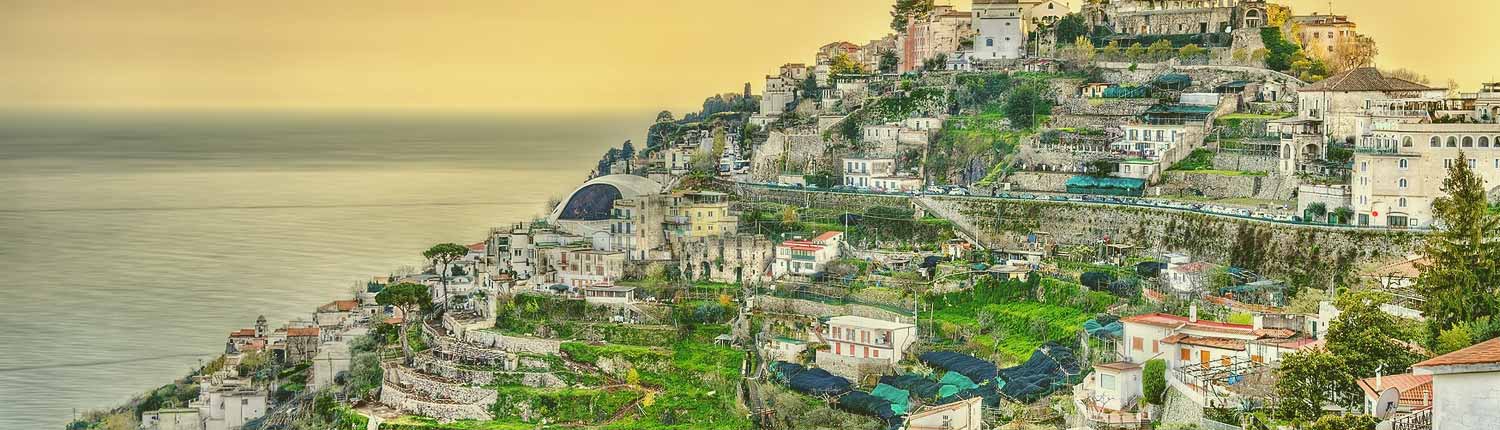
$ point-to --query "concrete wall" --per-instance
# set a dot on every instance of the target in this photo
(1466, 401)
(402, 400)
(853, 368)
(1039, 181)
(432, 366)
(1226, 160)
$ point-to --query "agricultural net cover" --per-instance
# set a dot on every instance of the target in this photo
(816, 382)
(1051, 367)
(918, 386)
(1105, 330)
(900, 399)
(863, 403)
(966, 365)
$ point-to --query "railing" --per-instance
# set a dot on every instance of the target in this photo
(1208, 424)
(1417, 420)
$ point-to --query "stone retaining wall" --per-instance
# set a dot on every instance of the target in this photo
(1270, 187)
(489, 339)
(397, 398)
(819, 309)
(1039, 181)
(1245, 162)
(433, 388)
(432, 366)
(536, 379)
(853, 368)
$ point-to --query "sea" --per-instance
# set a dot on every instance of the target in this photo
(131, 244)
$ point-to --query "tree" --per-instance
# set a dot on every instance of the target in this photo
(1316, 211)
(1306, 379)
(442, 257)
(1462, 269)
(1343, 215)
(1279, 51)
(1024, 104)
(1083, 49)
(1110, 52)
(664, 116)
(843, 65)
(789, 216)
(1191, 51)
(410, 298)
(1277, 15)
(1154, 381)
(889, 61)
(1070, 27)
(1345, 422)
(1354, 53)
(1159, 50)
(1135, 51)
(1360, 336)
(1407, 74)
(905, 10)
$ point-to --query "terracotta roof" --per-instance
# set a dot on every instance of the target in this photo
(1405, 269)
(244, 332)
(339, 306)
(827, 236)
(254, 345)
(1166, 320)
(1364, 79)
(306, 331)
(1487, 352)
(1208, 341)
(1415, 389)
(1276, 333)
(480, 246)
(802, 245)
(1121, 365)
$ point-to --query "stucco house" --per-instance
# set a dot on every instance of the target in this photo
(1465, 388)
(807, 257)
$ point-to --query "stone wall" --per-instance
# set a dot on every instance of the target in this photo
(1269, 187)
(852, 202)
(798, 151)
(1039, 181)
(438, 389)
(819, 309)
(534, 379)
(1226, 160)
(511, 344)
(432, 366)
(394, 396)
(740, 258)
(853, 368)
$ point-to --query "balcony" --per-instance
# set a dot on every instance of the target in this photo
(1417, 420)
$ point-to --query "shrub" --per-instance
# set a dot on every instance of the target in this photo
(1154, 381)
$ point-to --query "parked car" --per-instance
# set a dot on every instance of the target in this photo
(958, 191)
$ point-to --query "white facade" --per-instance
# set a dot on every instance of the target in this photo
(1399, 169)
(333, 358)
(229, 404)
(860, 337)
(859, 172)
(172, 419)
(1187, 340)
(1466, 387)
(1115, 385)
(807, 257)
(1002, 33)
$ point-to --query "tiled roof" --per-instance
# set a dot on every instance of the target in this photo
(1208, 341)
(305, 331)
(1405, 269)
(339, 306)
(1167, 320)
(1194, 267)
(1122, 365)
(802, 245)
(1275, 333)
(1487, 352)
(827, 236)
(1364, 79)
(477, 247)
(244, 332)
(1415, 389)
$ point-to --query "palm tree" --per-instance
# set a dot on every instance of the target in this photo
(442, 257)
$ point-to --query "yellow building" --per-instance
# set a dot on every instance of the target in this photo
(1322, 34)
(702, 214)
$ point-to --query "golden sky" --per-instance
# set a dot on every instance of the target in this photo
(508, 55)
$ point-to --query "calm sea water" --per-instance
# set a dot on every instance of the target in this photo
(132, 244)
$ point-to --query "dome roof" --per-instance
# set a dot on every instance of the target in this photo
(594, 200)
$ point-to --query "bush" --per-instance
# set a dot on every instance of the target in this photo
(1154, 381)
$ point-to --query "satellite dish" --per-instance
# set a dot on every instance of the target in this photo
(1388, 403)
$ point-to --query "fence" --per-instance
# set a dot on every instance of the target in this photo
(1208, 424)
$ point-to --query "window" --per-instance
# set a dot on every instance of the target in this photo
(989, 41)
(1187, 354)
(1364, 166)
(1401, 202)
(1484, 141)
(1468, 141)
(1107, 382)
(1436, 142)
(1401, 183)
(1406, 142)
(1473, 163)
(1448, 163)
(1136, 344)
(1402, 163)
(1155, 346)
(1452, 142)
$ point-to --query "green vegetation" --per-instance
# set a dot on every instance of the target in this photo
(1361, 341)
(1010, 319)
(1462, 278)
(424, 423)
(1199, 159)
(1154, 381)
(410, 298)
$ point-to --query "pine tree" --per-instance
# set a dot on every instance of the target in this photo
(1462, 270)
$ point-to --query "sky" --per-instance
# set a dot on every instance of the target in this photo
(516, 56)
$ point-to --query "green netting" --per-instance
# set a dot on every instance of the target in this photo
(957, 380)
(899, 398)
(1173, 81)
(1084, 184)
(947, 391)
(1127, 92)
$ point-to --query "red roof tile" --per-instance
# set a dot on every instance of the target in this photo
(802, 245)
(339, 306)
(477, 247)
(1487, 352)
(827, 236)
(306, 331)
(1167, 320)
(1364, 79)
(244, 332)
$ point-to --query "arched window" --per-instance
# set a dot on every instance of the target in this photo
(1401, 183)
(1406, 142)
(1436, 142)
(1484, 141)
(1403, 163)
(1401, 202)
(1468, 141)
(1452, 142)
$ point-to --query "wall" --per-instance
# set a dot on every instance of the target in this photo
(853, 368)
(1227, 160)
(511, 343)
(1039, 181)
(409, 403)
(431, 388)
(428, 364)
(1466, 401)
(1270, 187)
(819, 309)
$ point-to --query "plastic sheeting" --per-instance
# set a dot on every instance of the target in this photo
(918, 386)
(900, 399)
(975, 369)
(1104, 330)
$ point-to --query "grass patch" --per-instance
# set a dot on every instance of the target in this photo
(409, 422)
(1225, 172)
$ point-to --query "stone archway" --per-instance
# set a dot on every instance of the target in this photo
(1312, 151)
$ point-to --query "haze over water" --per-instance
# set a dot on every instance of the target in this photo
(134, 243)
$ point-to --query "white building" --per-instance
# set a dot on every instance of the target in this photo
(1399, 169)
(1343, 102)
(1115, 386)
(961, 415)
(1466, 387)
(860, 337)
(587, 267)
(1188, 277)
(1187, 340)
(1001, 26)
(807, 257)
(229, 403)
(172, 419)
(1150, 149)
(608, 294)
(859, 172)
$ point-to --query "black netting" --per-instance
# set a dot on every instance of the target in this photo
(979, 371)
(1051, 367)
(863, 403)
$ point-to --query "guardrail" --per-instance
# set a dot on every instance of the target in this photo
(1087, 199)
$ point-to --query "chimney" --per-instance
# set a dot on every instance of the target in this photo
(1193, 312)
